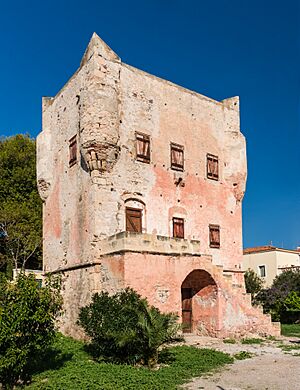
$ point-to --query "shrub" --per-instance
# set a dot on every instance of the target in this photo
(282, 299)
(27, 315)
(124, 328)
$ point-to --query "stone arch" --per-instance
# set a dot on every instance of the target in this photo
(199, 297)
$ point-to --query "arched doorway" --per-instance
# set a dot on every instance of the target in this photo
(199, 303)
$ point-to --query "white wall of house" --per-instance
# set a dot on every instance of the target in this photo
(269, 264)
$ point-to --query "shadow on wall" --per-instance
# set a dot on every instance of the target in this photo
(199, 303)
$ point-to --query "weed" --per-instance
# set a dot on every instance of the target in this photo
(272, 338)
(229, 341)
(289, 347)
(243, 355)
(252, 341)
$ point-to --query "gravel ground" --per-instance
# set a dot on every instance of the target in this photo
(270, 368)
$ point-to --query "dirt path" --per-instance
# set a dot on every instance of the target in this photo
(270, 368)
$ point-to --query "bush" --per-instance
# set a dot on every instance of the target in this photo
(282, 299)
(27, 315)
(124, 329)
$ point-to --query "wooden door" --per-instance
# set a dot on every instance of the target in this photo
(133, 220)
(187, 315)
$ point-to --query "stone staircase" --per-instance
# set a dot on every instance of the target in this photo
(256, 322)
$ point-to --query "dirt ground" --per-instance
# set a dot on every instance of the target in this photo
(270, 368)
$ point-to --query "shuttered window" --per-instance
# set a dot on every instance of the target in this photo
(177, 157)
(142, 147)
(214, 236)
(133, 220)
(178, 227)
(212, 167)
(73, 151)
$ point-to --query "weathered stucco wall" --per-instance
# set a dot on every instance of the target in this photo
(220, 308)
(103, 105)
(66, 191)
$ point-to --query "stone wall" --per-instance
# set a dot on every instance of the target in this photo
(103, 105)
(219, 308)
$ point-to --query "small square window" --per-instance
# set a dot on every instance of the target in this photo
(73, 151)
(178, 227)
(212, 167)
(214, 236)
(142, 147)
(262, 271)
(177, 157)
(133, 220)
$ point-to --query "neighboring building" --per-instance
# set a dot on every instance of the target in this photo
(269, 261)
(39, 275)
(142, 183)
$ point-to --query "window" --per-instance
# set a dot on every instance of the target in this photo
(177, 157)
(73, 151)
(133, 220)
(212, 167)
(262, 271)
(214, 236)
(142, 147)
(178, 227)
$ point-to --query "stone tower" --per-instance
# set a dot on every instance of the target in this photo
(142, 182)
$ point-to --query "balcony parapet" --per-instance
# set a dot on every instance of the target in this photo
(147, 243)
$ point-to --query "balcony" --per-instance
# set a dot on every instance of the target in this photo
(147, 243)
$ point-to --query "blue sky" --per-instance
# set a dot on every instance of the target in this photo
(221, 49)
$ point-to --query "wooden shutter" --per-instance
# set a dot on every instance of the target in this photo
(212, 167)
(214, 236)
(143, 147)
(178, 227)
(133, 220)
(73, 151)
(177, 157)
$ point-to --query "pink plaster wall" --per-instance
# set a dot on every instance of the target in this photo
(104, 103)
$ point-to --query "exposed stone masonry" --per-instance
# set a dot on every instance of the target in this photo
(105, 104)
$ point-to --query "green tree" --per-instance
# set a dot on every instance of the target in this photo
(125, 328)
(27, 324)
(281, 300)
(253, 282)
(20, 204)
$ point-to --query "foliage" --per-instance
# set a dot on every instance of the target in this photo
(271, 338)
(289, 347)
(229, 341)
(252, 341)
(27, 315)
(292, 302)
(281, 300)
(243, 355)
(291, 330)
(20, 204)
(124, 328)
(72, 368)
(253, 282)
